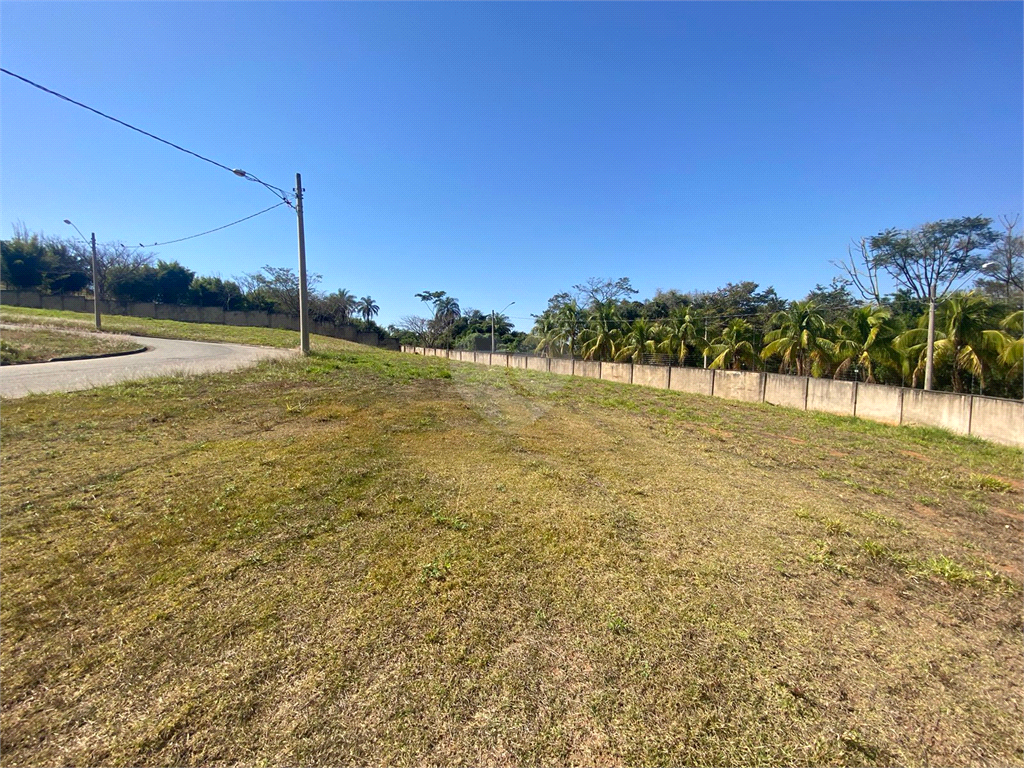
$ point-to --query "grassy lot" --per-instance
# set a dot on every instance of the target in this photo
(369, 557)
(35, 344)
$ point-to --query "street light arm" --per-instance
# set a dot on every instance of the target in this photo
(84, 239)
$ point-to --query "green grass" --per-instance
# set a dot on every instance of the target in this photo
(35, 345)
(142, 326)
(375, 558)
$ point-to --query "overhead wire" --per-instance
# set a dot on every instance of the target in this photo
(277, 191)
(218, 229)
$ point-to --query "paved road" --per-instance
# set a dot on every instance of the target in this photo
(162, 357)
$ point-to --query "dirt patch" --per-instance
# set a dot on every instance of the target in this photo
(914, 455)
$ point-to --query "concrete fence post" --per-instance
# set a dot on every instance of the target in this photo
(714, 373)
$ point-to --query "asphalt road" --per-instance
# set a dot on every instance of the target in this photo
(161, 358)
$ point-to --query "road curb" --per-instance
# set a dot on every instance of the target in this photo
(94, 357)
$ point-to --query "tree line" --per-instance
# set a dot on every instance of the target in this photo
(849, 329)
(56, 265)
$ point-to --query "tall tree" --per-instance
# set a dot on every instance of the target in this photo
(930, 260)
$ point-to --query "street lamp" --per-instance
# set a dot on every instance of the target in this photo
(95, 275)
(492, 323)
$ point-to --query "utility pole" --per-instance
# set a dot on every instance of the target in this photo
(492, 324)
(930, 354)
(303, 294)
(95, 285)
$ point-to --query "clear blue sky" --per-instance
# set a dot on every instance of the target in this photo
(504, 152)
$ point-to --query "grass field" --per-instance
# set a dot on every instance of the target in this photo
(370, 557)
(34, 345)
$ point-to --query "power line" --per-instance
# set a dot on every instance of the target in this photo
(218, 229)
(248, 176)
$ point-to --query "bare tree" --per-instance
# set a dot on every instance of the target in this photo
(598, 291)
(1003, 274)
(421, 326)
(861, 272)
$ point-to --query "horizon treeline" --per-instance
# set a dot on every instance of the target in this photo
(34, 261)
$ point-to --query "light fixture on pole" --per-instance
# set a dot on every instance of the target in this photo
(492, 323)
(95, 275)
(303, 287)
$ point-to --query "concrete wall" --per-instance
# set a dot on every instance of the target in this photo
(787, 391)
(651, 376)
(561, 365)
(994, 419)
(697, 381)
(739, 385)
(880, 403)
(937, 409)
(831, 396)
(76, 304)
(482, 358)
(1000, 421)
(620, 372)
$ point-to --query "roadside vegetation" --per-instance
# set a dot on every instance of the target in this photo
(62, 265)
(376, 558)
(36, 345)
(848, 330)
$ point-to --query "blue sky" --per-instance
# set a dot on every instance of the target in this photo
(504, 152)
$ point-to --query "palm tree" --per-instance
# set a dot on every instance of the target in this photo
(341, 303)
(799, 339)
(864, 340)
(368, 308)
(963, 338)
(548, 334)
(1011, 344)
(602, 333)
(732, 348)
(641, 338)
(681, 335)
(570, 322)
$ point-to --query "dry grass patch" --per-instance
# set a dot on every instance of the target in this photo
(33, 344)
(367, 557)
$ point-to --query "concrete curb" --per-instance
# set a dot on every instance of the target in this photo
(92, 357)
